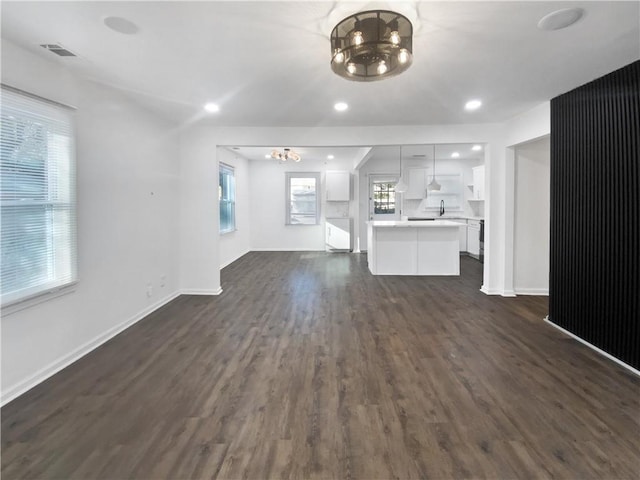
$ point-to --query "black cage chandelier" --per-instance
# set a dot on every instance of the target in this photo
(372, 45)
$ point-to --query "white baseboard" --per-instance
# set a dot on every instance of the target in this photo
(66, 360)
(195, 291)
(513, 293)
(593, 347)
(490, 291)
(544, 292)
(288, 249)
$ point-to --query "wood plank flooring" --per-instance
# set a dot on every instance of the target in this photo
(309, 367)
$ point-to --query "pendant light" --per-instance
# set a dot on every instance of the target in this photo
(401, 187)
(434, 185)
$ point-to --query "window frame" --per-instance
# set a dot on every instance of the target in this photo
(288, 213)
(391, 192)
(57, 199)
(229, 171)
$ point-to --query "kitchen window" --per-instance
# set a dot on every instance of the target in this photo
(37, 196)
(302, 199)
(227, 198)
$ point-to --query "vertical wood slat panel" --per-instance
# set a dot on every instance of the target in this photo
(594, 284)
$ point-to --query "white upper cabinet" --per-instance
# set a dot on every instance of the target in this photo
(478, 182)
(338, 184)
(417, 183)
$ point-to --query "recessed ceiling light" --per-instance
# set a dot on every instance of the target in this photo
(330, 157)
(476, 148)
(267, 155)
(341, 106)
(472, 105)
(121, 25)
(211, 107)
(455, 155)
(560, 19)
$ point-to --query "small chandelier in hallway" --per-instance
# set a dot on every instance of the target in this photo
(287, 154)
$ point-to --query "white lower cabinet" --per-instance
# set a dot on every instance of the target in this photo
(462, 233)
(473, 237)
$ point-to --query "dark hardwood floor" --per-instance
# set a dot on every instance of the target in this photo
(309, 367)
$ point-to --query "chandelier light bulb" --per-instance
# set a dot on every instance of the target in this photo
(351, 68)
(403, 55)
(395, 38)
(357, 38)
(339, 56)
(382, 67)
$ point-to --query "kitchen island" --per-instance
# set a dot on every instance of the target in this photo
(426, 247)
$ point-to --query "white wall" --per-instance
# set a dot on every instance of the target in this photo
(127, 179)
(532, 216)
(500, 173)
(199, 213)
(267, 186)
(235, 244)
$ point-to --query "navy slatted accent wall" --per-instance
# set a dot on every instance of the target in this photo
(594, 284)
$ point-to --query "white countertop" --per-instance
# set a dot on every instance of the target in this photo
(413, 223)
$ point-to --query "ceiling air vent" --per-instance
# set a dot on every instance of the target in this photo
(58, 50)
(419, 155)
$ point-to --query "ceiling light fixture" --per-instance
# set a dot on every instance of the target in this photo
(211, 107)
(472, 105)
(476, 148)
(121, 25)
(372, 45)
(560, 19)
(434, 185)
(455, 155)
(330, 157)
(287, 154)
(401, 187)
(341, 106)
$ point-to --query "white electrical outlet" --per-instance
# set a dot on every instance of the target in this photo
(149, 290)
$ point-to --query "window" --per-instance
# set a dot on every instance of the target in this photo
(302, 199)
(384, 198)
(37, 196)
(227, 197)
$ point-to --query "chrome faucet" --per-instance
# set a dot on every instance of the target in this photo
(441, 207)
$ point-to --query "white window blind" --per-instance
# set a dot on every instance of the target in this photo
(37, 196)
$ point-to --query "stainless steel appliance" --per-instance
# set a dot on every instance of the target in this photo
(481, 256)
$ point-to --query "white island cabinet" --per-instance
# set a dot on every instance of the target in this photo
(429, 247)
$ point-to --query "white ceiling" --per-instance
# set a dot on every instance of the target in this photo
(353, 155)
(267, 63)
